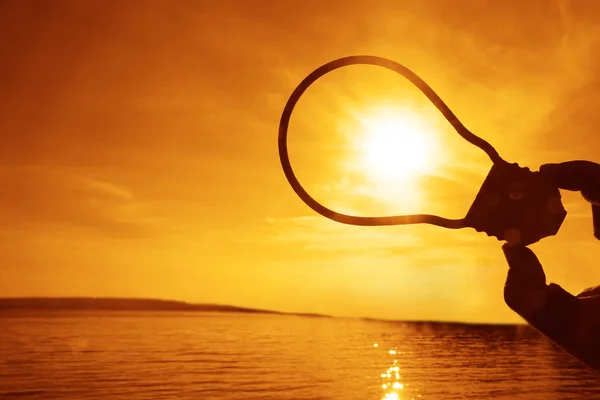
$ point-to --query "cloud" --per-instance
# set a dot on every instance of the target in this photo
(50, 198)
(324, 238)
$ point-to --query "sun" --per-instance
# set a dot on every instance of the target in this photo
(396, 145)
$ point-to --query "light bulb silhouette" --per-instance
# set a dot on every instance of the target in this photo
(513, 204)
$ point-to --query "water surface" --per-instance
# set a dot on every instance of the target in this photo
(183, 355)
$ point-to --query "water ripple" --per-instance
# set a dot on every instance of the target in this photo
(113, 356)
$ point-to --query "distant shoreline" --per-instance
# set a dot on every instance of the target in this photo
(43, 304)
(126, 304)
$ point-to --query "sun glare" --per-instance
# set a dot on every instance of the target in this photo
(396, 145)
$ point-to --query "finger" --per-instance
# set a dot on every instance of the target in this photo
(525, 288)
(583, 176)
(525, 270)
(596, 220)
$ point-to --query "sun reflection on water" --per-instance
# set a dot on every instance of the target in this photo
(391, 385)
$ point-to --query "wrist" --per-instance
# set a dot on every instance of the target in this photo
(557, 313)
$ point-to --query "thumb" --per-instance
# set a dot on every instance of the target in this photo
(525, 288)
(524, 267)
(550, 309)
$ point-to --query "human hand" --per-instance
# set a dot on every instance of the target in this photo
(580, 176)
(573, 322)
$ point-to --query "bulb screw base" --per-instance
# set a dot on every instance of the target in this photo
(516, 205)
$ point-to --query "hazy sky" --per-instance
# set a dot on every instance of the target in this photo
(138, 152)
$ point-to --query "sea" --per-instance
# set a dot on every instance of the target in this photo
(80, 355)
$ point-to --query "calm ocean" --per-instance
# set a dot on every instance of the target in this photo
(173, 355)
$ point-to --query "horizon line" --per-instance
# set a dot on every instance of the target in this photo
(207, 307)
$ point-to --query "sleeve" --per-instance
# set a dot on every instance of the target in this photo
(592, 291)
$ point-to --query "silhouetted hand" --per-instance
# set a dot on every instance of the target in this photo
(572, 322)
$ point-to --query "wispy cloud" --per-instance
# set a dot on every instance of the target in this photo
(321, 237)
(50, 198)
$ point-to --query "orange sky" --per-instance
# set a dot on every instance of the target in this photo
(139, 156)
